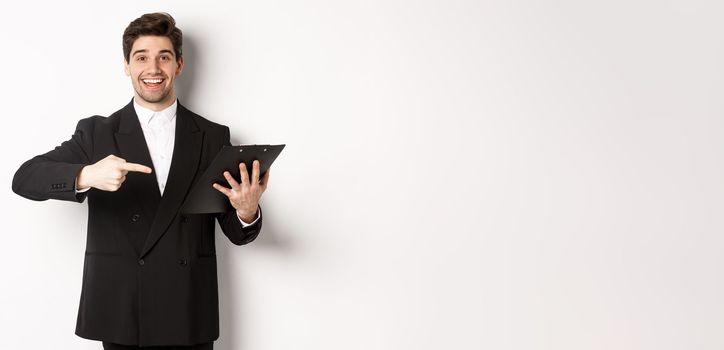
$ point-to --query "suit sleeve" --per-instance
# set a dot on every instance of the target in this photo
(52, 175)
(230, 223)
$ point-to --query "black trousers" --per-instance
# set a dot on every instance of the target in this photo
(111, 346)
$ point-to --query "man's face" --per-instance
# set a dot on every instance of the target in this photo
(153, 66)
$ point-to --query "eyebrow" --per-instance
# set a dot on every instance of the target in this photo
(145, 51)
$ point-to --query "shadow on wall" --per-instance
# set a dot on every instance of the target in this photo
(185, 83)
(230, 290)
(231, 282)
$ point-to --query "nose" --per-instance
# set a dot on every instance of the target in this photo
(154, 67)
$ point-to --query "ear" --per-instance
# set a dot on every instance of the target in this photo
(180, 67)
(126, 68)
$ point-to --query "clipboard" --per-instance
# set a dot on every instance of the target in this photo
(204, 199)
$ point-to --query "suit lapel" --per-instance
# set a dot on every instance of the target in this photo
(185, 161)
(132, 146)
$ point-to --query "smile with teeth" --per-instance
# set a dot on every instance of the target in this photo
(152, 82)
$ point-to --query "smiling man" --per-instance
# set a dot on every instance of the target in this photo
(149, 276)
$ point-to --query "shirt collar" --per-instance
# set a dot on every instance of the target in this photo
(145, 114)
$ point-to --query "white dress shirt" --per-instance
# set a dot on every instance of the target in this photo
(159, 129)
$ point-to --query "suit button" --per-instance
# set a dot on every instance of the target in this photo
(182, 262)
(141, 262)
(183, 219)
(135, 217)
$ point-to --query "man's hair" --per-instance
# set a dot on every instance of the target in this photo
(156, 24)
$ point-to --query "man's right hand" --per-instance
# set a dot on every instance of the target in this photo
(107, 174)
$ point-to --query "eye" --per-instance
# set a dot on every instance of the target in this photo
(165, 58)
(141, 58)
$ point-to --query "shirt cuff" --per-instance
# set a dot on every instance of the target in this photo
(244, 224)
(76, 184)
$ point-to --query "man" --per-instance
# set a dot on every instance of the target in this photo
(149, 276)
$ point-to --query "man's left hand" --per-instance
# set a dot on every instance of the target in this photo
(244, 196)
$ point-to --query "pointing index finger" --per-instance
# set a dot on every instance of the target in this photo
(136, 167)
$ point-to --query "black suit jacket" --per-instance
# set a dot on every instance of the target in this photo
(149, 276)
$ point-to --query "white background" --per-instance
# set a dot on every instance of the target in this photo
(458, 174)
